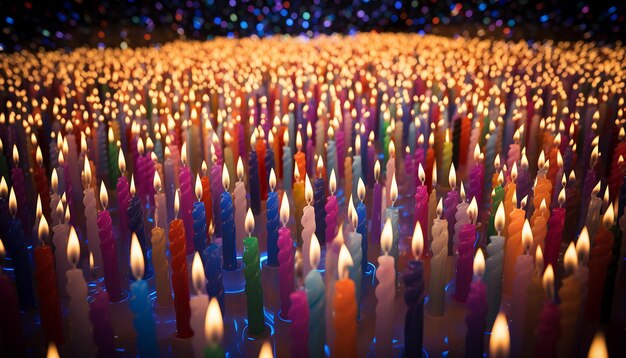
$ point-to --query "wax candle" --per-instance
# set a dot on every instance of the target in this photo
(180, 282)
(186, 199)
(213, 330)
(50, 305)
(393, 213)
(12, 338)
(252, 274)
(91, 216)
(535, 298)
(59, 240)
(285, 259)
(16, 248)
(344, 305)
(438, 263)
(287, 163)
(450, 203)
(82, 344)
(160, 202)
(308, 221)
(218, 189)
(599, 260)
(272, 222)
(495, 266)
(314, 285)
(477, 174)
(461, 218)
(390, 169)
(241, 203)
(467, 238)
(510, 198)
(161, 266)
(357, 168)
(548, 329)
(331, 150)
(523, 271)
(108, 248)
(476, 309)
(376, 205)
(355, 248)
(123, 201)
(554, 236)
(320, 203)
(100, 316)
(19, 185)
(361, 228)
(513, 247)
(446, 157)
(414, 297)
(135, 215)
(570, 295)
(140, 304)
(253, 168)
(385, 293)
(41, 181)
(499, 341)
(199, 219)
(228, 225)
(497, 195)
(199, 304)
(332, 208)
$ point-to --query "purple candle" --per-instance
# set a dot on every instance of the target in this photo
(369, 174)
(108, 249)
(299, 313)
(477, 180)
(286, 269)
(421, 210)
(376, 205)
(17, 178)
(332, 208)
(100, 316)
(467, 237)
(556, 225)
(414, 298)
(186, 200)
(476, 310)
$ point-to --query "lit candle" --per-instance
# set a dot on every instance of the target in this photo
(331, 149)
(599, 260)
(228, 224)
(108, 248)
(198, 304)
(241, 202)
(19, 185)
(535, 298)
(252, 273)
(213, 330)
(199, 218)
(135, 215)
(12, 337)
(180, 282)
(361, 228)
(495, 266)
(123, 201)
(308, 221)
(140, 304)
(212, 259)
(523, 272)
(476, 309)
(393, 213)
(390, 169)
(548, 328)
(357, 169)
(421, 205)
(385, 293)
(186, 199)
(299, 198)
(467, 240)
(287, 163)
(160, 264)
(438, 263)
(285, 258)
(499, 341)
(513, 246)
(314, 285)
(598, 347)
(450, 203)
(159, 202)
(332, 208)
(376, 205)
(414, 297)
(91, 216)
(272, 222)
(571, 297)
(320, 203)
(344, 305)
(354, 244)
(556, 225)
(81, 338)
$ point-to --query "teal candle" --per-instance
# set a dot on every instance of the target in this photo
(252, 273)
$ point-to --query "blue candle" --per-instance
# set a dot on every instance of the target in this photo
(361, 228)
(414, 319)
(16, 248)
(319, 204)
(135, 217)
(199, 219)
(272, 223)
(212, 261)
(228, 223)
(255, 188)
(269, 161)
(141, 306)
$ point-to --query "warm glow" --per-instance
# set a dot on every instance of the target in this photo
(320, 165)
(299, 141)
(39, 157)
(479, 263)
(420, 173)
(417, 242)
(266, 349)
(332, 183)
(183, 154)
(392, 150)
(133, 189)
(440, 208)
(198, 187)
(73, 248)
(4, 189)
(477, 153)
(500, 218)
(452, 177)
(548, 282)
(272, 180)
(570, 258)
(296, 173)
(539, 259)
(609, 217)
(284, 210)
(136, 258)
(249, 222)
(514, 172)
(527, 236)
(16, 156)
(225, 178)
(286, 138)
(562, 197)
(377, 170)
(361, 190)
(386, 239)
(472, 210)
(43, 229)
(462, 191)
(314, 252)
(176, 203)
(197, 274)
(582, 246)
(12, 203)
(308, 190)
(213, 324)
(357, 145)
(156, 182)
(344, 263)
(240, 169)
(598, 347)
(393, 192)
(500, 339)
(121, 161)
(53, 352)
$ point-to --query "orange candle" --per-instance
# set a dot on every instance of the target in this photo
(344, 304)
(300, 157)
(206, 195)
(510, 197)
(513, 248)
(298, 197)
(495, 178)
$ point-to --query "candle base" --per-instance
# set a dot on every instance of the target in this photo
(122, 324)
(269, 276)
(251, 344)
(234, 280)
(165, 319)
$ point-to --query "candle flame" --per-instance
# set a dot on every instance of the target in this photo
(514, 172)
(596, 189)
(541, 161)
(417, 242)
(284, 209)
(140, 147)
(420, 173)
(452, 177)
(479, 263)
(43, 230)
(133, 189)
(548, 282)
(357, 145)
(272, 180)
(527, 236)
(296, 173)
(92, 262)
(496, 162)
(393, 192)
(500, 339)
(16, 156)
(52, 352)
(500, 218)
(582, 246)
(598, 347)
(524, 161)
(39, 157)
(73, 248)
(463, 196)
(314, 252)
(286, 138)
(609, 217)
(86, 173)
(344, 263)
(176, 203)
(2, 250)
(240, 169)
(225, 178)
(308, 190)
(332, 183)
(298, 141)
(538, 260)
(121, 161)
(571, 258)
(197, 274)
(472, 210)
(198, 187)
(12, 203)
(183, 154)
(377, 170)
(361, 190)
(477, 153)
(392, 150)
(352, 215)
(386, 239)
(562, 197)
(213, 324)
(266, 349)
(156, 182)
(249, 222)
(136, 258)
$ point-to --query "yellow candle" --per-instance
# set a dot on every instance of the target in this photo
(513, 248)
(298, 196)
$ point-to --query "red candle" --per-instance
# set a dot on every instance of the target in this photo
(430, 162)
(180, 278)
(207, 199)
(599, 260)
(260, 151)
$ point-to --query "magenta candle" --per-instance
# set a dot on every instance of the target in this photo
(286, 269)
(100, 316)
(421, 212)
(299, 313)
(186, 203)
(467, 236)
(556, 225)
(476, 310)
(332, 209)
(450, 203)
(10, 323)
(108, 249)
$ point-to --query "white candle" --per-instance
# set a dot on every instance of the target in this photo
(523, 272)
(198, 304)
(391, 169)
(59, 238)
(308, 224)
(241, 206)
(91, 215)
(160, 214)
(438, 263)
(385, 294)
(80, 333)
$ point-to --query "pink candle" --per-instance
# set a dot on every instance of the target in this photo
(123, 200)
(100, 316)
(465, 259)
(108, 249)
(450, 203)
(421, 211)
(11, 323)
(476, 309)
(332, 208)
(186, 200)
(286, 270)
(299, 313)
(549, 326)
(556, 225)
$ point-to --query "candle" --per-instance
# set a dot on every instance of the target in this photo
(91, 216)
(513, 247)
(180, 282)
(50, 305)
(497, 195)
(599, 260)
(451, 202)
(59, 240)
(347, 173)
(510, 200)
(11, 324)
(314, 285)
(160, 202)
(285, 258)
(135, 215)
(355, 249)
(100, 316)
(218, 190)
(494, 266)
(160, 264)
(320, 203)
(17, 179)
(199, 304)
(108, 248)
(361, 228)
(476, 309)
(554, 236)
(252, 273)
(548, 329)
(467, 238)
(299, 201)
(499, 340)
(376, 205)
(41, 180)
(16, 248)
(140, 304)
(213, 330)
(414, 297)
(357, 170)
(598, 347)
(332, 208)
(460, 217)
(199, 219)
(571, 295)
(390, 169)
(477, 176)
(393, 213)
(186, 199)
(308, 222)
(331, 149)
(287, 163)
(535, 298)
(300, 157)
(228, 224)
(438, 263)
(272, 222)
(385, 293)
(82, 344)
(421, 204)
(446, 157)
(123, 201)
(523, 272)
(344, 305)
(241, 203)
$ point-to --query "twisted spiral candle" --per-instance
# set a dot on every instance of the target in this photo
(299, 313)
(533, 309)
(91, 221)
(186, 205)
(143, 321)
(218, 189)
(548, 331)
(316, 299)
(599, 260)
(308, 229)
(272, 228)
(199, 226)
(385, 295)
(241, 206)
(286, 269)
(493, 276)
(100, 316)
(523, 273)
(254, 290)
(570, 294)
(319, 203)
(513, 249)
(356, 272)
(461, 219)
(464, 262)
(109, 256)
(212, 261)
(180, 281)
(161, 267)
(123, 200)
(554, 236)
(17, 177)
(438, 267)
(228, 232)
(475, 319)
(255, 188)
(345, 309)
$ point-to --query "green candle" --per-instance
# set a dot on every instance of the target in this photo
(252, 273)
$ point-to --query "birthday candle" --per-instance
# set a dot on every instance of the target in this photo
(477, 309)
(316, 300)
(19, 185)
(180, 282)
(199, 304)
(320, 203)
(495, 266)
(272, 222)
(599, 260)
(186, 199)
(376, 205)
(287, 163)
(308, 221)
(438, 263)
(354, 244)
(513, 247)
(500, 339)
(361, 228)
(108, 248)
(228, 225)
(570, 294)
(252, 273)
(212, 260)
(523, 271)
(91, 216)
(385, 293)
(135, 215)
(414, 297)
(213, 330)
(253, 175)
(285, 258)
(548, 327)
(450, 203)
(467, 238)
(123, 200)
(390, 168)
(199, 219)
(344, 305)
(100, 316)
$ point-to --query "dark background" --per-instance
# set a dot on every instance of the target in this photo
(69, 23)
